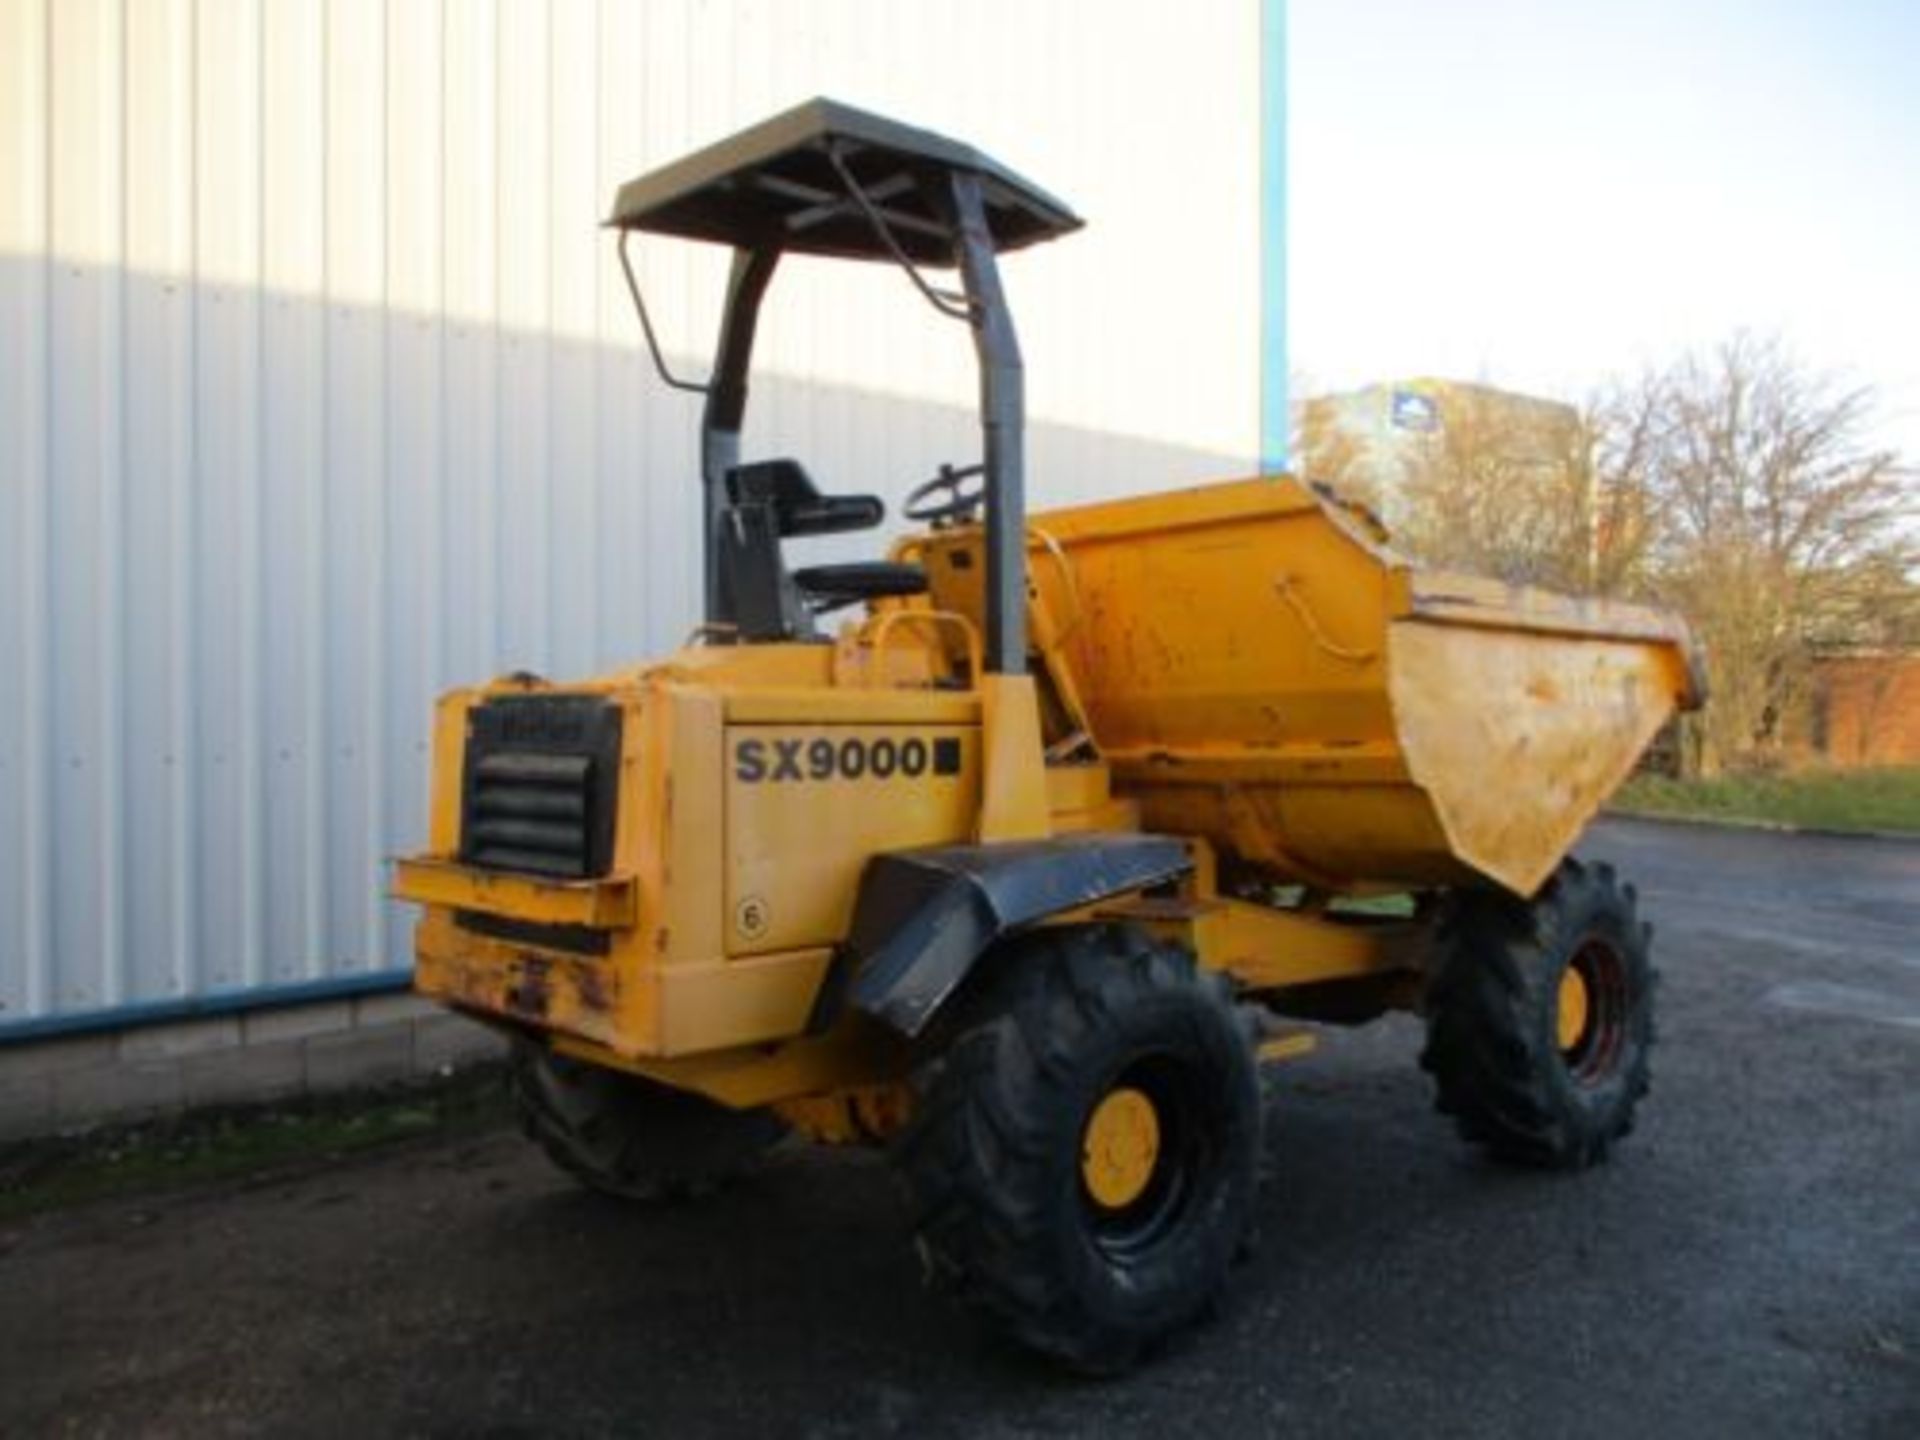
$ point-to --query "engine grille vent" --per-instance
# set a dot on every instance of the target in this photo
(541, 781)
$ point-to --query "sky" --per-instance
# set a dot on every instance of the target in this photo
(1546, 194)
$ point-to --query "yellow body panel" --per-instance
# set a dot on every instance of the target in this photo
(801, 829)
(723, 1003)
(1013, 804)
(597, 998)
(754, 786)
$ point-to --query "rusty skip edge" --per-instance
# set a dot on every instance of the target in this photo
(1545, 612)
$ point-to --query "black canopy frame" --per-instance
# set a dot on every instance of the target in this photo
(826, 179)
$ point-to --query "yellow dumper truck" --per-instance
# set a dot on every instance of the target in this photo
(1023, 863)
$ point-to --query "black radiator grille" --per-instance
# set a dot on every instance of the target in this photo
(541, 775)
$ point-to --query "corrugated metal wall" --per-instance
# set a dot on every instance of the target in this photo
(319, 392)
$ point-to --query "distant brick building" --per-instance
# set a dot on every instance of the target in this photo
(1865, 710)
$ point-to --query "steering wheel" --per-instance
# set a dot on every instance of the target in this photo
(962, 501)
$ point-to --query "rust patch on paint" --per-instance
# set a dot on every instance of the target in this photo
(595, 986)
(529, 990)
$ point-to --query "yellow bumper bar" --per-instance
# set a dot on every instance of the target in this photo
(604, 904)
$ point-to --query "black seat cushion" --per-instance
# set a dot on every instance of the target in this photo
(797, 502)
(861, 580)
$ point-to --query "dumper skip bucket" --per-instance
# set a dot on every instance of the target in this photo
(1259, 667)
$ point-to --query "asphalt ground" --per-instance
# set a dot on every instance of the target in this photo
(1748, 1264)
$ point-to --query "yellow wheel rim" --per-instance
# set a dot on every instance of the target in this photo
(1121, 1148)
(1575, 1004)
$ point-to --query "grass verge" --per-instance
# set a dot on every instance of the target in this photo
(1884, 798)
(165, 1155)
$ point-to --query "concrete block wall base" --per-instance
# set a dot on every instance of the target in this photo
(71, 1083)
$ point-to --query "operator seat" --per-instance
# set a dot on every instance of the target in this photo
(769, 501)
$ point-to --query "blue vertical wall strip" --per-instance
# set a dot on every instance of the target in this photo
(1275, 414)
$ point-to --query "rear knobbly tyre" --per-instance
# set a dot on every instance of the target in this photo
(1540, 1017)
(625, 1136)
(1084, 1153)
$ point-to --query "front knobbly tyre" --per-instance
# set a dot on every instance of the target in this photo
(996, 1159)
(1534, 1074)
(625, 1136)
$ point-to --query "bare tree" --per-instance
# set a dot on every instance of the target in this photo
(1776, 527)
(1503, 486)
(1615, 447)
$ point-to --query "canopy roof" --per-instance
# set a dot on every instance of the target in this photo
(776, 184)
